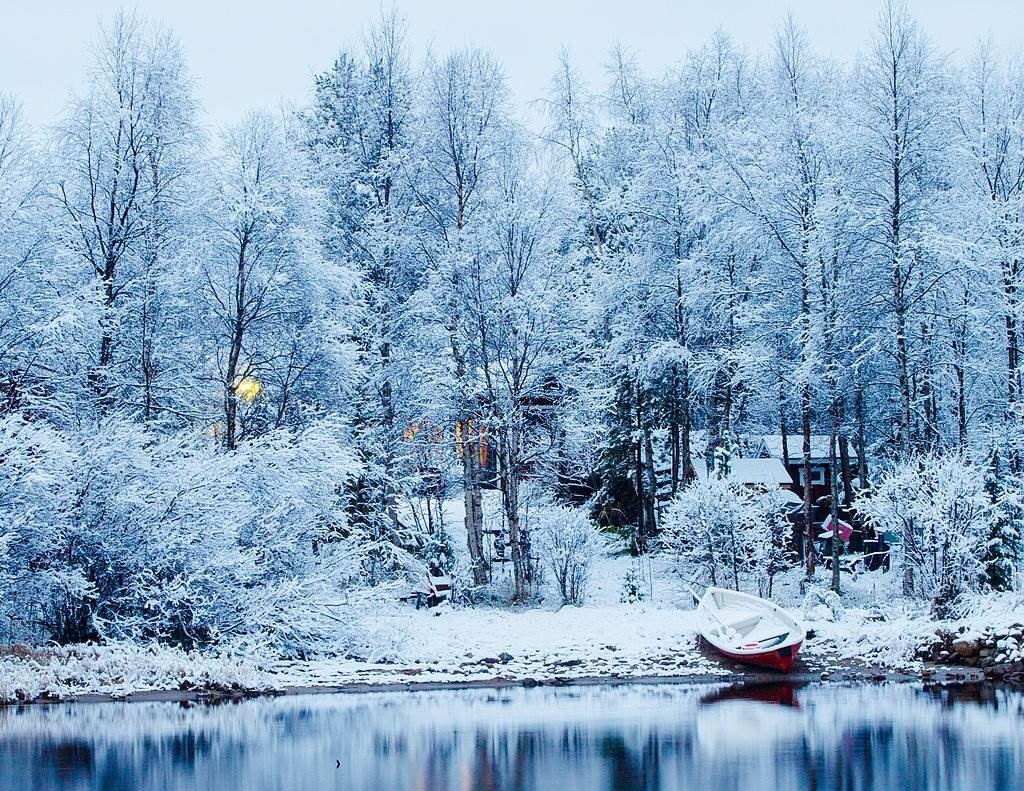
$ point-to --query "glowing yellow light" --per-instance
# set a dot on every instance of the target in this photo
(247, 388)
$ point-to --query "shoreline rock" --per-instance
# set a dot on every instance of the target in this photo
(997, 652)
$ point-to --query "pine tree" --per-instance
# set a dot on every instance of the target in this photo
(1003, 545)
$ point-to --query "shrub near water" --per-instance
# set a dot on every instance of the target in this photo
(124, 534)
(568, 542)
(947, 518)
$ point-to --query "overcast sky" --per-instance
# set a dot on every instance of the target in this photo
(258, 53)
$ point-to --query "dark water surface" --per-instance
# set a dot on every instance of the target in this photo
(882, 738)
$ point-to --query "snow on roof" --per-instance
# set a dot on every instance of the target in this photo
(790, 497)
(795, 443)
(767, 472)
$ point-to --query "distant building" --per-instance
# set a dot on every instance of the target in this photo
(770, 446)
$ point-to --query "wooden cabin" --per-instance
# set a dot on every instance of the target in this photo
(790, 454)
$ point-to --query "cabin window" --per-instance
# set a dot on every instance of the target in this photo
(817, 476)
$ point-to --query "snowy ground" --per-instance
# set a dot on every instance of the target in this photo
(868, 631)
(871, 631)
(604, 638)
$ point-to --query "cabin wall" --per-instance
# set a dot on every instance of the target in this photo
(821, 479)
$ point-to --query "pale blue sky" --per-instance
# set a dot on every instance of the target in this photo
(256, 53)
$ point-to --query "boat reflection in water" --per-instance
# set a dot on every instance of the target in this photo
(899, 738)
(782, 693)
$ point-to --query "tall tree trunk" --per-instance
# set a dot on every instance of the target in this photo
(519, 539)
(673, 431)
(958, 330)
(147, 361)
(684, 444)
(805, 388)
(388, 494)
(473, 499)
(927, 391)
(844, 468)
(638, 476)
(651, 519)
(1013, 377)
(805, 424)
(899, 311)
(151, 257)
(231, 373)
(682, 473)
(902, 362)
(861, 446)
(834, 510)
(474, 519)
(783, 423)
(101, 373)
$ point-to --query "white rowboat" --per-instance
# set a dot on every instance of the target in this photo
(749, 629)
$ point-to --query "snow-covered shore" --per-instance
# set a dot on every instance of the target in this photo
(479, 646)
(444, 645)
(868, 632)
(118, 671)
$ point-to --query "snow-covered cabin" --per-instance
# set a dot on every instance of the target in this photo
(770, 446)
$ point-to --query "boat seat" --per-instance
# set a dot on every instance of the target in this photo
(744, 625)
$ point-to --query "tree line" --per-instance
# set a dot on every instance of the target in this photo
(284, 346)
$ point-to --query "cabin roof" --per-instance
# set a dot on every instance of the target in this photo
(764, 472)
(819, 447)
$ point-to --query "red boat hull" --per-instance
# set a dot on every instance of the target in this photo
(780, 659)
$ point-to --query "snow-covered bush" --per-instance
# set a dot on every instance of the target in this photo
(821, 604)
(726, 530)
(568, 541)
(1002, 554)
(940, 509)
(121, 533)
(37, 586)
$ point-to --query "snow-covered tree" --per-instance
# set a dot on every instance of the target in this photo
(940, 508)
(900, 100)
(30, 308)
(266, 285)
(123, 157)
(463, 121)
(1003, 547)
(568, 542)
(360, 133)
(726, 531)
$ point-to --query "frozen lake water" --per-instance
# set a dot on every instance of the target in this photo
(885, 738)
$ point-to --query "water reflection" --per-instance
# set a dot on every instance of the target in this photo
(782, 693)
(642, 737)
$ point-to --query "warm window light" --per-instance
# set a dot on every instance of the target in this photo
(247, 388)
